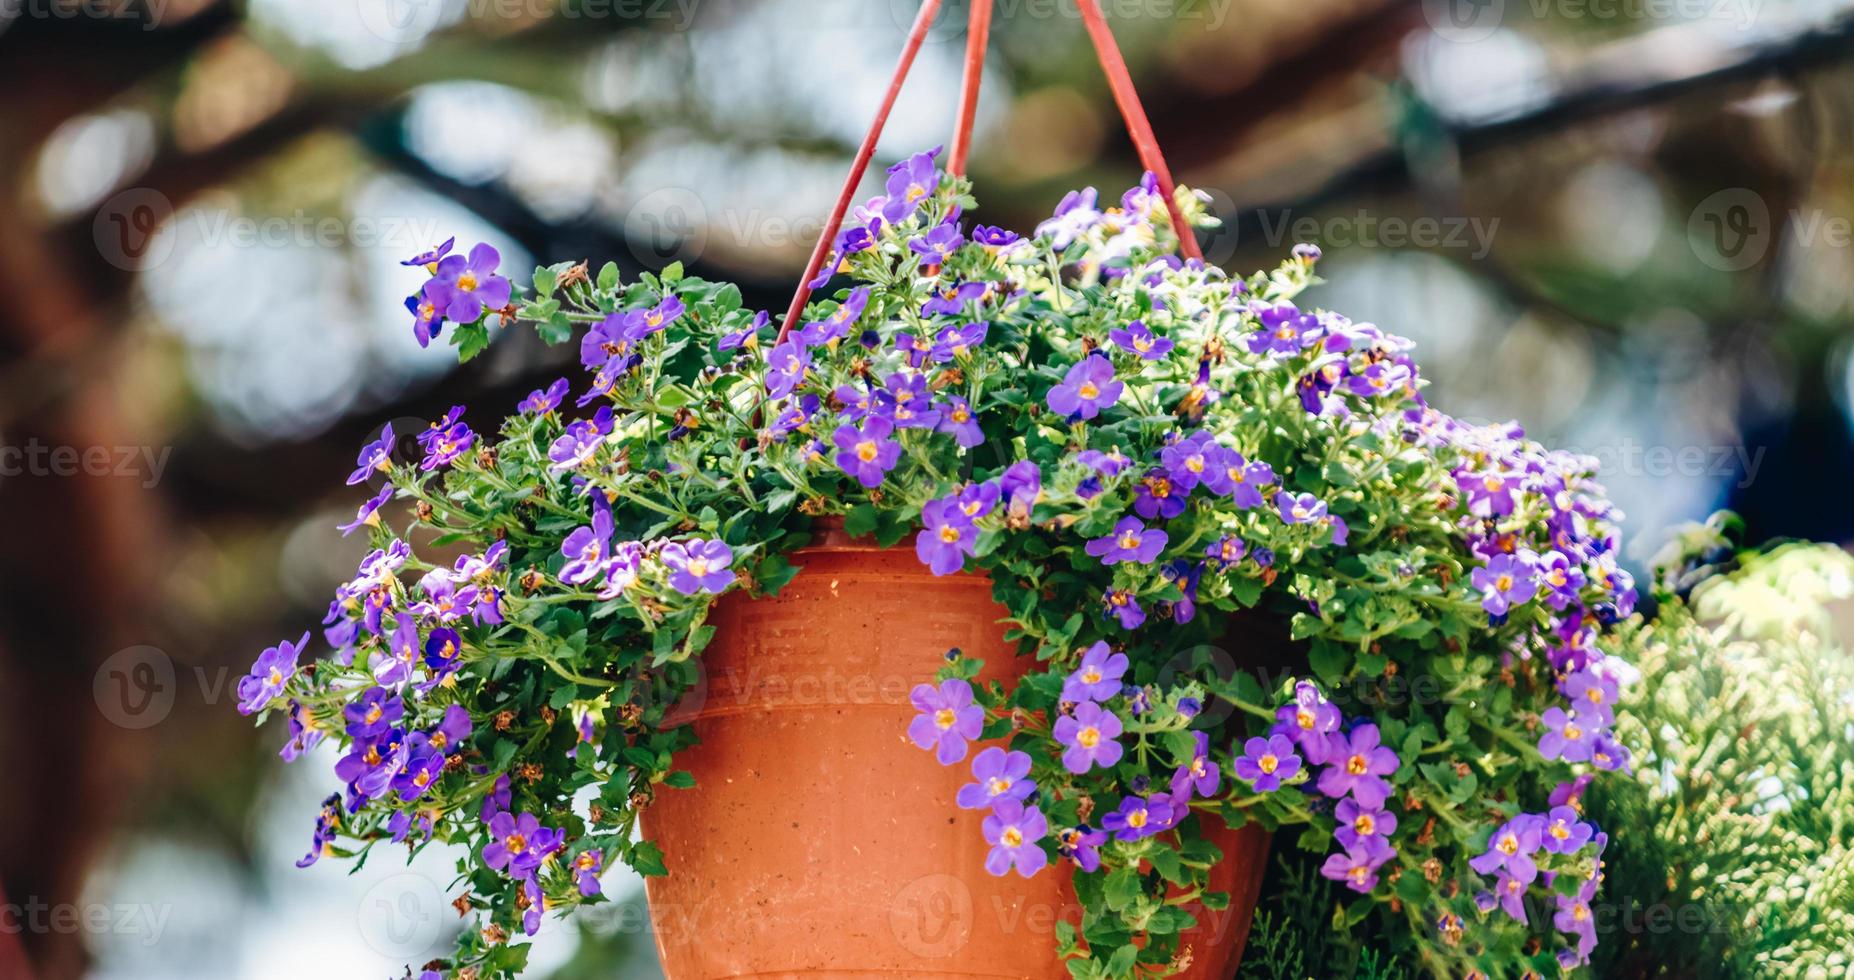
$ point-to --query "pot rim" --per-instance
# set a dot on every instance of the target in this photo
(828, 535)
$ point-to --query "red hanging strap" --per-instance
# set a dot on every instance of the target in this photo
(917, 34)
(978, 35)
(1138, 127)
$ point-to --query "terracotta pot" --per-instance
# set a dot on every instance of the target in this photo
(818, 841)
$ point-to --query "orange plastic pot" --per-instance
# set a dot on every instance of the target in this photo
(818, 841)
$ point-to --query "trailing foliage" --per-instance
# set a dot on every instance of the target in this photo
(1139, 451)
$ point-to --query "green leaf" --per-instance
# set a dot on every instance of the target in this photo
(647, 858)
(544, 281)
(861, 521)
(1122, 888)
(608, 275)
(680, 779)
(672, 272)
(563, 696)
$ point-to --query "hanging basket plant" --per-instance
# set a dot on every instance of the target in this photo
(1232, 571)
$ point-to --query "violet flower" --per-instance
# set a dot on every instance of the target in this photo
(867, 453)
(1088, 388)
(948, 719)
(1131, 541)
(699, 566)
(269, 673)
(1358, 768)
(468, 286)
(1138, 339)
(1000, 775)
(1090, 738)
(947, 537)
(1098, 676)
(1013, 831)
(1265, 762)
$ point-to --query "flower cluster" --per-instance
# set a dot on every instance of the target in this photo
(1147, 456)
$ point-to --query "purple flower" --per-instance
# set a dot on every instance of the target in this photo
(1511, 848)
(451, 729)
(659, 316)
(937, 245)
(1199, 774)
(1107, 464)
(430, 257)
(441, 650)
(585, 547)
(1131, 541)
(1225, 552)
(540, 401)
(1312, 722)
(1378, 378)
(1239, 479)
(1021, 484)
(327, 825)
(427, 315)
(1082, 846)
(1608, 754)
(1001, 775)
(374, 456)
(748, 336)
(1089, 735)
(1562, 579)
(581, 439)
(272, 669)
(1564, 833)
(958, 419)
(991, 236)
(953, 342)
(469, 286)
(1489, 494)
(1124, 607)
(1285, 330)
(1567, 736)
(424, 765)
(371, 764)
(1358, 866)
(1088, 388)
(978, 499)
(1592, 695)
(1265, 762)
(518, 844)
(1098, 677)
(1191, 459)
(867, 453)
(785, 368)
(905, 401)
(369, 513)
(1511, 893)
(1137, 338)
(1156, 496)
(1013, 830)
(837, 324)
(1358, 766)
(373, 713)
(910, 182)
(947, 719)
(699, 566)
(586, 867)
(446, 440)
(1299, 509)
(948, 537)
(952, 300)
(1504, 582)
(1138, 817)
(1360, 824)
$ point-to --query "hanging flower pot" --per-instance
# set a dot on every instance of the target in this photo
(1009, 717)
(803, 849)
